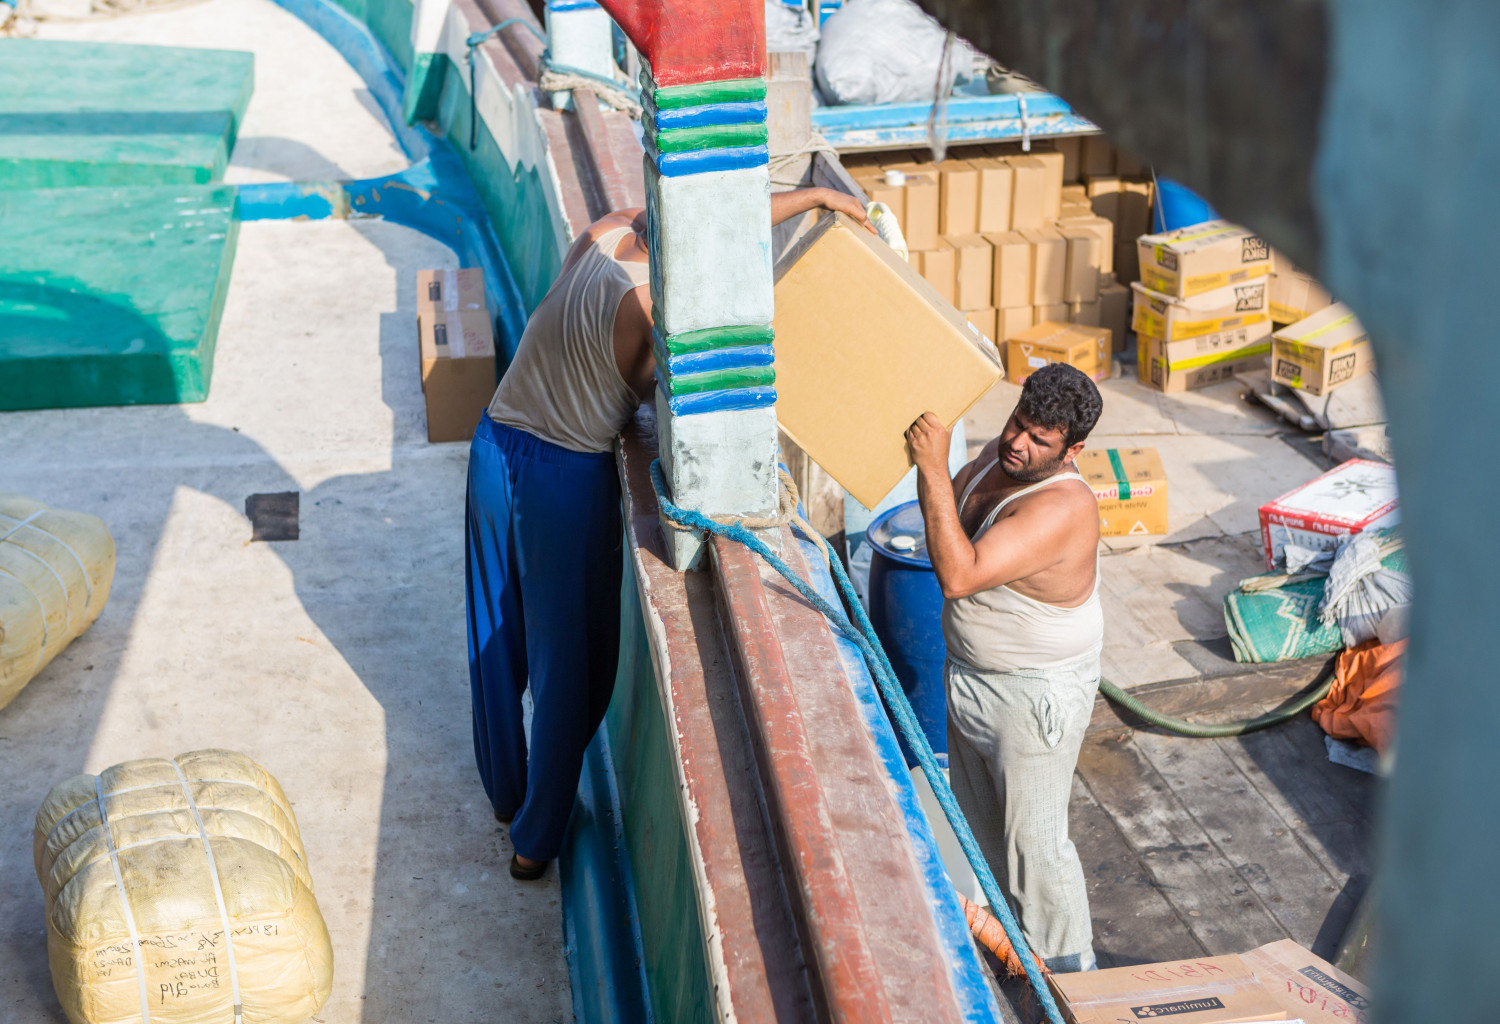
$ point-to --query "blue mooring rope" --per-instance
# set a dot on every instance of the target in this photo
(863, 636)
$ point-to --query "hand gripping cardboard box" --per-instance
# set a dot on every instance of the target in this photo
(1209, 990)
(1223, 309)
(864, 346)
(1051, 341)
(458, 371)
(1202, 257)
(1131, 486)
(1355, 496)
(1323, 352)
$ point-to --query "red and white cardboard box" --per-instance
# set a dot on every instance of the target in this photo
(1356, 496)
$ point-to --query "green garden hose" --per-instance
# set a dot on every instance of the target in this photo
(1185, 728)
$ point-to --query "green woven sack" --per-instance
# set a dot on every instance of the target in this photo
(1279, 623)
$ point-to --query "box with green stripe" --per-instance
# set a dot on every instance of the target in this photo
(1131, 486)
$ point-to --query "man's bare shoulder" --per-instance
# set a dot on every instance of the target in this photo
(1072, 500)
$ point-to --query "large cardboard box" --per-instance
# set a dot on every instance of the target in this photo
(1085, 259)
(939, 267)
(1131, 486)
(1135, 207)
(1104, 230)
(1011, 322)
(1202, 257)
(1306, 986)
(1209, 990)
(1049, 266)
(1323, 352)
(958, 198)
(921, 224)
(1086, 313)
(1350, 498)
(1114, 310)
(1057, 311)
(1071, 148)
(1176, 366)
(974, 269)
(1098, 156)
(1052, 183)
(1104, 196)
(1295, 294)
(450, 291)
(1223, 309)
(1012, 265)
(458, 371)
(1028, 194)
(1087, 348)
(996, 183)
(863, 347)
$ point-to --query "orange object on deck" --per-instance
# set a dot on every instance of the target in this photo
(1361, 703)
(990, 934)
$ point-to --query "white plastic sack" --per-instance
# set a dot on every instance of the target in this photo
(884, 51)
(177, 892)
(791, 28)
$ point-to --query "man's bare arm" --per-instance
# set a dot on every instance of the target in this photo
(785, 205)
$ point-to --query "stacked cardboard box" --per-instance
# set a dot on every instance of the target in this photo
(1202, 310)
(1321, 352)
(1295, 294)
(1009, 237)
(456, 342)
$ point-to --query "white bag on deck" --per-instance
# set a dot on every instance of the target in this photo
(177, 892)
(884, 51)
(55, 571)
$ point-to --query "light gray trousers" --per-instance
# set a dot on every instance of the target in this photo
(1013, 742)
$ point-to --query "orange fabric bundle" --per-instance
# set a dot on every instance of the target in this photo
(1361, 703)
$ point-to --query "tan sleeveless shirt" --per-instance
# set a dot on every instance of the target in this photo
(1000, 630)
(563, 385)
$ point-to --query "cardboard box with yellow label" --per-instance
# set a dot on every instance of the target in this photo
(1294, 293)
(1131, 486)
(1201, 258)
(1052, 341)
(1176, 366)
(1322, 352)
(1223, 309)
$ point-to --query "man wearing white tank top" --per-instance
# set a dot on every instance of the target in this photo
(543, 559)
(1014, 541)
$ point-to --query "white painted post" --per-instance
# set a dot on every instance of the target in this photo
(580, 34)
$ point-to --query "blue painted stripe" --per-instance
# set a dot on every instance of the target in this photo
(958, 108)
(969, 974)
(702, 161)
(572, 5)
(749, 112)
(721, 359)
(723, 401)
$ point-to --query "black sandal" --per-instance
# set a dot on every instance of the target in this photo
(505, 820)
(524, 874)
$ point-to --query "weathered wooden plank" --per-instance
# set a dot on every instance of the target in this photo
(1223, 912)
(1252, 837)
(1134, 922)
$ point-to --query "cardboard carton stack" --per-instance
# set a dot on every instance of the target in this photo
(1202, 307)
(456, 340)
(1322, 352)
(1294, 293)
(1011, 238)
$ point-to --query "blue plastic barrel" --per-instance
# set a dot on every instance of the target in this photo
(906, 609)
(1177, 206)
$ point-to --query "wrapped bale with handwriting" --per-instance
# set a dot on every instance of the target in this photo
(177, 892)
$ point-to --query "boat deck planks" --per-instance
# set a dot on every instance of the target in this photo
(1210, 846)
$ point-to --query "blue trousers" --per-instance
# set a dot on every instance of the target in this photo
(543, 578)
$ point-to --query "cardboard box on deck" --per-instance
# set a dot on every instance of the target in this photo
(1028, 193)
(1086, 313)
(1049, 265)
(1011, 322)
(1355, 496)
(1104, 196)
(974, 269)
(984, 319)
(1057, 311)
(1104, 230)
(1223, 309)
(1052, 183)
(996, 185)
(1051, 341)
(958, 198)
(863, 347)
(458, 371)
(1322, 352)
(921, 204)
(1134, 207)
(1306, 986)
(1075, 211)
(1114, 310)
(1012, 268)
(1131, 486)
(1071, 149)
(1208, 990)
(939, 268)
(1085, 254)
(1295, 294)
(1098, 156)
(1202, 257)
(1177, 366)
(450, 291)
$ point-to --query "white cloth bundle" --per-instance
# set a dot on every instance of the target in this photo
(1361, 592)
(177, 892)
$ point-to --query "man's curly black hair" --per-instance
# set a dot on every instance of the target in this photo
(1061, 397)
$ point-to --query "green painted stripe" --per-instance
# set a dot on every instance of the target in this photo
(1121, 479)
(735, 90)
(717, 337)
(721, 380)
(718, 136)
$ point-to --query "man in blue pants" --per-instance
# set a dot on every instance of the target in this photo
(544, 530)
